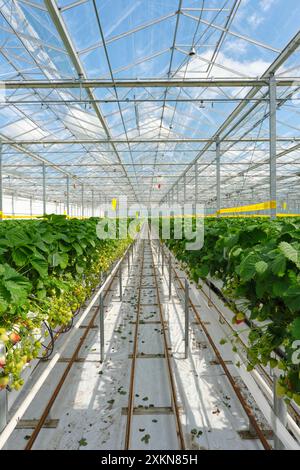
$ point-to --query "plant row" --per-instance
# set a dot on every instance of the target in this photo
(48, 268)
(258, 262)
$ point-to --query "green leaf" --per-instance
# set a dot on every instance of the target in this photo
(236, 252)
(291, 298)
(202, 270)
(78, 249)
(64, 258)
(289, 252)
(48, 238)
(280, 287)
(40, 265)
(247, 269)
(295, 330)
(59, 259)
(19, 257)
(261, 267)
(4, 293)
(82, 442)
(146, 438)
(278, 265)
(79, 269)
(18, 237)
(261, 288)
(17, 292)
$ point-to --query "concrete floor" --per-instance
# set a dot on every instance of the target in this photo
(90, 407)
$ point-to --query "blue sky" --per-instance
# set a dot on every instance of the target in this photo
(144, 53)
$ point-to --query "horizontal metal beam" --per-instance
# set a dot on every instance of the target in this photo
(84, 101)
(157, 164)
(142, 141)
(150, 82)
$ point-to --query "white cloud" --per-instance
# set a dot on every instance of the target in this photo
(249, 68)
(236, 46)
(255, 20)
(265, 5)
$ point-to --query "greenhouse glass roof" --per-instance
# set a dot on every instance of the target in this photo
(125, 96)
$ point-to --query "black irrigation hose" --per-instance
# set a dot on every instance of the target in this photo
(49, 348)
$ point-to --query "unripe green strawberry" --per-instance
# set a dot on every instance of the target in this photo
(273, 362)
(280, 390)
(4, 381)
(296, 398)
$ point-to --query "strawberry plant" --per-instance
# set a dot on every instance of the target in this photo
(258, 262)
(48, 268)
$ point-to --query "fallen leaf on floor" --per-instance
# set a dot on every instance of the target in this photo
(146, 438)
(82, 442)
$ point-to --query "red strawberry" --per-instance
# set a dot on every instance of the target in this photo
(14, 337)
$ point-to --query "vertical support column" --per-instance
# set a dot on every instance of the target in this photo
(3, 409)
(101, 312)
(1, 184)
(68, 196)
(120, 283)
(272, 130)
(82, 201)
(218, 176)
(30, 206)
(186, 319)
(280, 410)
(158, 254)
(170, 276)
(13, 203)
(184, 188)
(177, 193)
(44, 190)
(162, 260)
(196, 185)
(93, 210)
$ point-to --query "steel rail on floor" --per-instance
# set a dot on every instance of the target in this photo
(73, 358)
(174, 402)
(252, 420)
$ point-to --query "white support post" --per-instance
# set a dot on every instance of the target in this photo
(30, 206)
(3, 409)
(13, 203)
(120, 284)
(280, 410)
(272, 130)
(184, 188)
(82, 201)
(68, 196)
(93, 210)
(196, 185)
(218, 177)
(44, 190)
(1, 183)
(101, 314)
(170, 276)
(186, 319)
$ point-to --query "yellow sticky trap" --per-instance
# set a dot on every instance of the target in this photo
(284, 205)
(114, 204)
(1, 215)
(136, 215)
